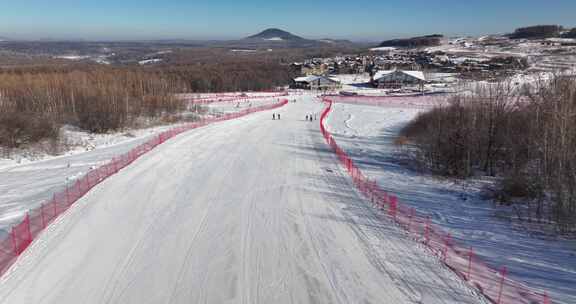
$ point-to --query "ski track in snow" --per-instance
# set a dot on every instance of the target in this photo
(26, 186)
(244, 211)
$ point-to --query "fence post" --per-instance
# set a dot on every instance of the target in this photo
(15, 242)
(470, 257)
(55, 207)
(67, 196)
(28, 229)
(446, 246)
(42, 215)
(503, 274)
(546, 298)
(98, 176)
(410, 218)
(87, 182)
(393, 206)
(427, 231)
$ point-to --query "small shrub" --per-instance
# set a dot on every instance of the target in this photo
(518, 186)
(401, 141)
(18, 129)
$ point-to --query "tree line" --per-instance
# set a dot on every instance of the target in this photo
(36, 101)
(33, 104)
(525, 136)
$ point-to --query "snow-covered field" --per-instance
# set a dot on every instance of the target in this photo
(367, 133)
(252, 210)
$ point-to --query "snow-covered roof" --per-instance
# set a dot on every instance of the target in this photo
(305, 79)
(561, 40)
(312, 78)
(416, 74)
(379, 74)
(383, 49)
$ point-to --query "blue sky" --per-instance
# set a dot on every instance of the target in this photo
(225, 19)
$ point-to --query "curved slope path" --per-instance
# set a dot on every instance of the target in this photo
(245, 211)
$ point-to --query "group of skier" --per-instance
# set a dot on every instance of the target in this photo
(311, 117)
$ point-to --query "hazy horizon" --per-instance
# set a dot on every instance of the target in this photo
(226, 19)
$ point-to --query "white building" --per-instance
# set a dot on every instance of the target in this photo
(314, 82)
(397, 79)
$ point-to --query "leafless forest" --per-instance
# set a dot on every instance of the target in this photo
(35, 101)
(34, 104)
(526, 137)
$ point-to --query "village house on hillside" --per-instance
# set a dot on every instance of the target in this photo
(314, 82)
(396, 79)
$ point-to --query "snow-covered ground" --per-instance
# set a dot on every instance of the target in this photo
(29, 178)
(26, 182)
(235, 106)
(252, 210)
(367, 133)
(360, 84)
(150, 61)
(101, 59)
(541, 57)
(75, 141)
(383, 49)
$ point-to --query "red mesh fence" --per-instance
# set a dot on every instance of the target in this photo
(411, 100)
(493, 284)
(36, 220)
(233, 98)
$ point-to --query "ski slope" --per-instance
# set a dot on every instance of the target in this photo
(27, 182)
(252, 210)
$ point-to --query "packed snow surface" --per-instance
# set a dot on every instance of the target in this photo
(252, 210)
(26, 183)
(367, 133)
(29, 179)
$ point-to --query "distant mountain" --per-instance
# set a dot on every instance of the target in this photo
(423, 41)
(274, 34)
(277, 38)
